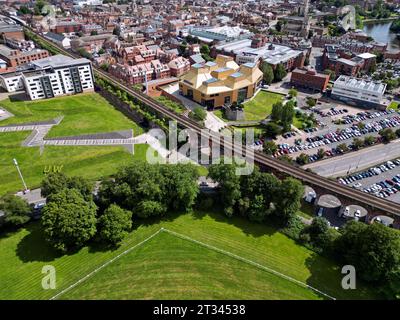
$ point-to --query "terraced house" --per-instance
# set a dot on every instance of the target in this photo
(214, 84)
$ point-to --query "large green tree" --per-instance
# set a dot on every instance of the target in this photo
(16, 210)
(229, 185)
(68, 219)
(268, 73)
(288, 204)
(114, 224)
(279, 72)
(373, 249)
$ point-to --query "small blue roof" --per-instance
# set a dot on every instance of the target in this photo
(250, 64)
(236, 74)
(223, 69)
(198, 65)
(211, 80)
(211, 63)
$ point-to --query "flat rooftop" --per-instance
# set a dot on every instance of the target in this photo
(271, 53)
(360, 84)
(58, 61)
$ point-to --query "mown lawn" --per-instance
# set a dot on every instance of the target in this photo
(394, 105)
(83, 114)
(91, 162)
(180, 269)
(261, 105)
(159, 269)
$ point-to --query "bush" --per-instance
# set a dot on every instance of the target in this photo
(114, 224)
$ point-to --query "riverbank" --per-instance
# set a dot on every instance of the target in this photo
(372, 21)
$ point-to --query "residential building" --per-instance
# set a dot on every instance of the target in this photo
(59, 39)
(353, 91)
(214, 84)
(50, 77)
(179, 66)
(15, 57)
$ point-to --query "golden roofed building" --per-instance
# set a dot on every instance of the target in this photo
(214, 84)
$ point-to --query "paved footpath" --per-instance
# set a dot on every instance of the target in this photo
(119, 138)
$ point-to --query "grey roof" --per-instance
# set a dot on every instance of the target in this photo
(54, 36)
(197, 58)
(58, 61)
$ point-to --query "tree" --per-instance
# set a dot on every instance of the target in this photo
(343, 147)
(277, 109)
(369, 140)
(292, 93)
(52, 183)
(268, 73)
(229, 185)
(387, 134)
(151, 190)
(56, 181)
(287, 115)
(16, 210)
(114, 224)
(357, 143)
(311, 102)
(93, 33)
(68, 219)
(205, 52)
(318, 234)
(279, 72)
(270, 147)
(199, 113)
(331, 73)
(321, 153)
(278, 26)
(272, 130)
(374, 250)
(302, 159)
(288, 205)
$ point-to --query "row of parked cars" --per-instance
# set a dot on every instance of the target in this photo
(332, 112)
(344, 134)
(362, 116)
(385, 188)
(382, 189)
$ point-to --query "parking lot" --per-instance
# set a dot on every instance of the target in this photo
(382, 180)
(330, 135)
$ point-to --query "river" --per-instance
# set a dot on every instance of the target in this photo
(380, 32)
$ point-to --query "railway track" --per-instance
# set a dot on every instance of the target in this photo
(259, 158)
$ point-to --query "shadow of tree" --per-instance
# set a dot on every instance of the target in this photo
(251, 228)
(326, 276)
(34, 247)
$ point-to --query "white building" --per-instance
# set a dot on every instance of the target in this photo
(51, 77)
(359, 92)
(59, 39)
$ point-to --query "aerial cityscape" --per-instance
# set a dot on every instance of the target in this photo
(200, 150)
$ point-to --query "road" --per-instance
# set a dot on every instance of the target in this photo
(259, 158)
(356, 161)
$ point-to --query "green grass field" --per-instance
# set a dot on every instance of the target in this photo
(83, 114)
(24, 253)
(261, 106)
(178, 269)
(393, 105)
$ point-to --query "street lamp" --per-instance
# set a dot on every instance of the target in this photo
(20, 174)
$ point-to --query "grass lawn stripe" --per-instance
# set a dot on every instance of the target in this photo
(249, 262)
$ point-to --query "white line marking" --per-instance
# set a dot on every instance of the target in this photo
(247, 261)
(232, 255)
(105, 264)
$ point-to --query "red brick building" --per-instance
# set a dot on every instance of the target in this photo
(310, 79)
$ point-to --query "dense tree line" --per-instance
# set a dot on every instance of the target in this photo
(72, 216)
(258, 195)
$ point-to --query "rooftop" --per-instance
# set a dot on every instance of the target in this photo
(360, 84)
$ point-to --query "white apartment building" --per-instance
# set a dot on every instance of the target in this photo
(51, 77)
(358, 91)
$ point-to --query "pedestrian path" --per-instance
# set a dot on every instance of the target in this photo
(118, 138)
